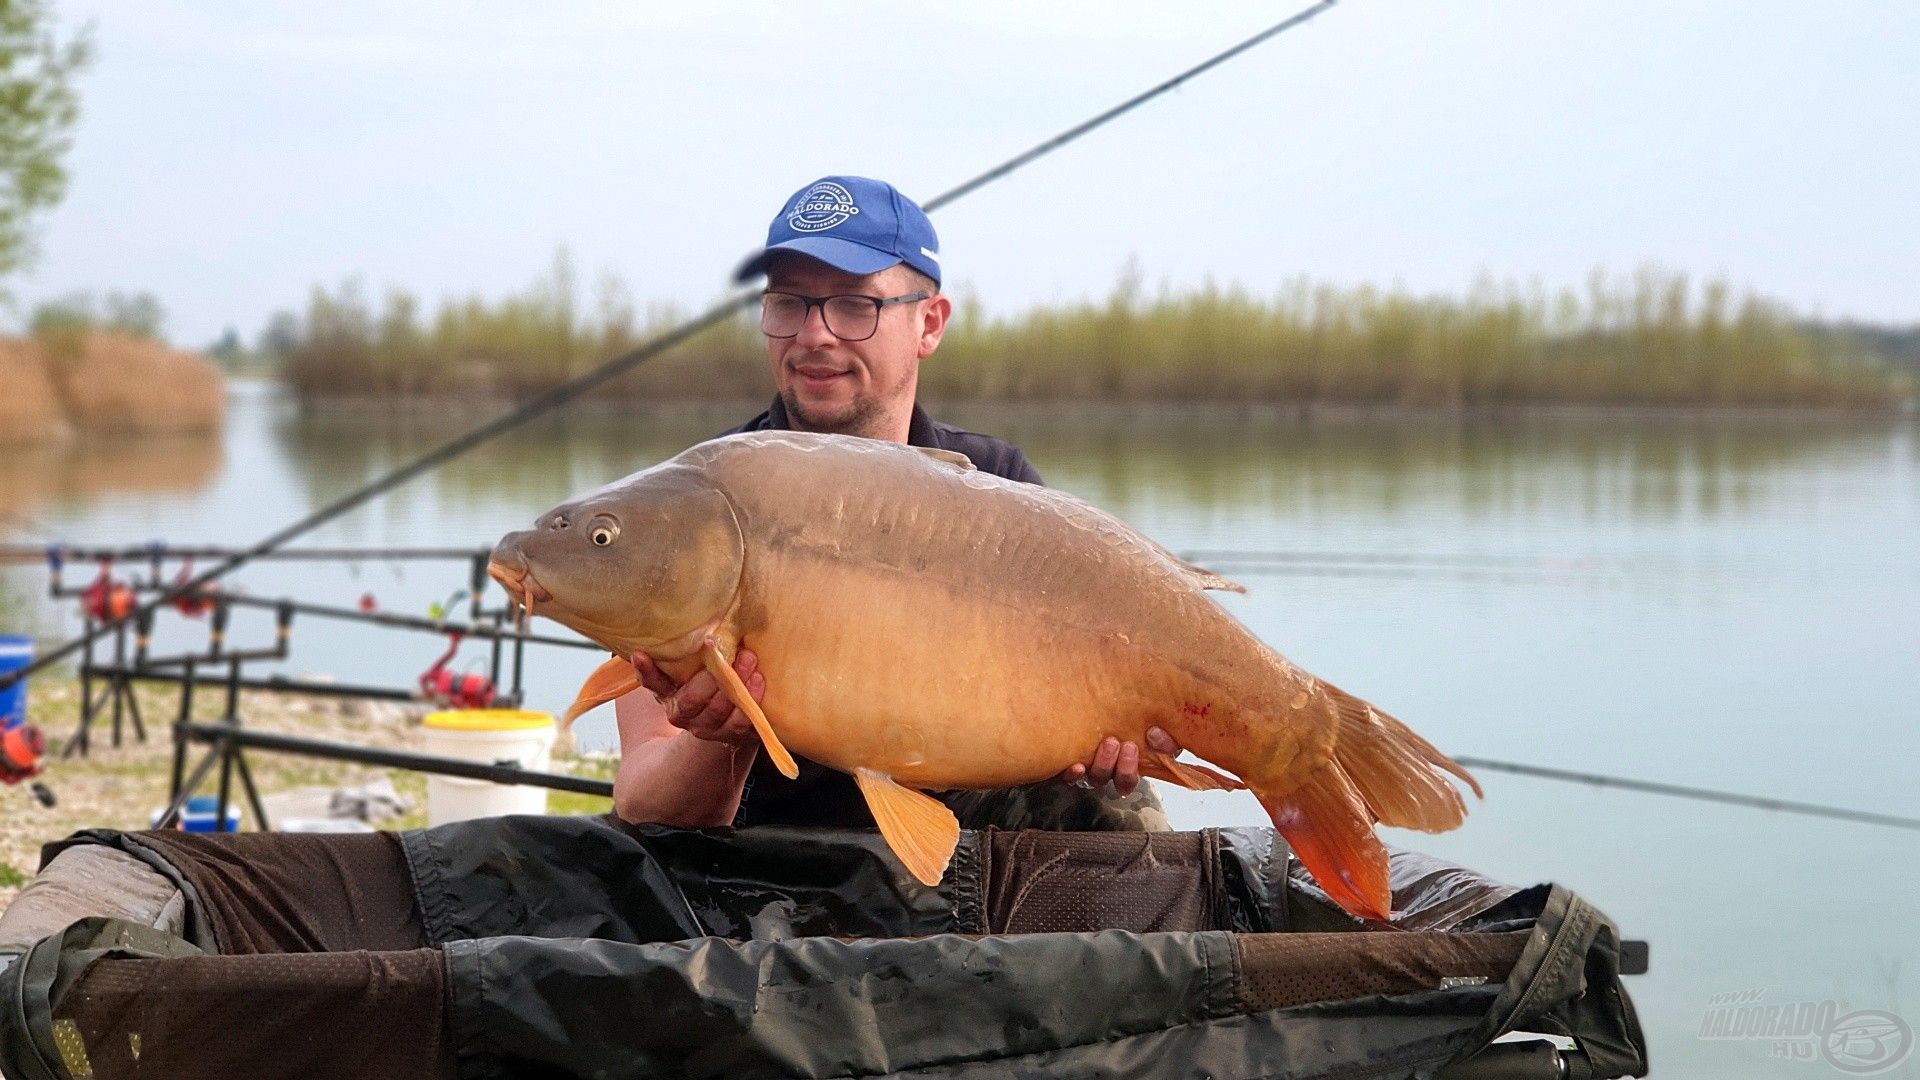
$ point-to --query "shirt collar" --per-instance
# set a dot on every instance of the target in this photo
(920, 427)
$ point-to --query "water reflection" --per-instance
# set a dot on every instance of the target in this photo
(1582, 466)
(536, 466)
(36, 477)
(1589, 466)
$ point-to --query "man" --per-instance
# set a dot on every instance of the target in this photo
(852, 306)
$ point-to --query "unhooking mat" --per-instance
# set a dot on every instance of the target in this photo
(556, 946)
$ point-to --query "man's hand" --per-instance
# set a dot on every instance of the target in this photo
(698, 707)
(1119, 762)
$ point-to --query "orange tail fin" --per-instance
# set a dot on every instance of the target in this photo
(1402, 779)
(1328, 827)
(614, 679)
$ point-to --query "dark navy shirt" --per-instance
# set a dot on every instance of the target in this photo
(988, 454)
(819, 795)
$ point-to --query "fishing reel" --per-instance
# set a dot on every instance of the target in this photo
(198, 602)
(456, 690)
(107, 599)
(21, 747)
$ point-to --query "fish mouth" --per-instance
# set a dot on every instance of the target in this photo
(521, 587)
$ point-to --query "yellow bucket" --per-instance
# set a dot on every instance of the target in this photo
(491, 737)
(488, 720)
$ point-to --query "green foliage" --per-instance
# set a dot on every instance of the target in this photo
(38, 107)
(514, 347)
(9, 877)
(574, 802)
(1652, 338)
(137, 314)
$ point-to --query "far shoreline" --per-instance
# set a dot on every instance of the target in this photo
(460, 410)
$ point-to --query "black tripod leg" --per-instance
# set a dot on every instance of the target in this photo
(133, 709)
(171, 817)
(253, 794)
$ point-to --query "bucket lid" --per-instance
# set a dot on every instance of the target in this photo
(488, 720)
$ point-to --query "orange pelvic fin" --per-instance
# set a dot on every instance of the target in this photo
(1187, 775)
(918, 827)
(729, 681)
(1328, 827)
(613, 679)
(1401, 777)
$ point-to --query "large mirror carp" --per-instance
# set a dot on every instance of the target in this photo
(924, 626)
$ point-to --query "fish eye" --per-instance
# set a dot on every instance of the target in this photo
(603, 533)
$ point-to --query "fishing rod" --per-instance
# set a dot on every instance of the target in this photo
(1683, 791)
(620, 365)
(477, 630)
(35, 553)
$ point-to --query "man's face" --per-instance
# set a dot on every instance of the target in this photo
(853, 387)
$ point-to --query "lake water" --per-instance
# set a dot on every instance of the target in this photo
(1732, 604)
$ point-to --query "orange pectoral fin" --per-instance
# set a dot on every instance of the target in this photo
(1327, 825)
(614, 679)
(1194, 777)
(729, 681)
(918, 827)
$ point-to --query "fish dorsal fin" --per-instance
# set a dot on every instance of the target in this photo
(918, 827)
(951, 457)
(1187, 775)
(736, 692)
(1207, 579)
(1200, 575)
(614, 679)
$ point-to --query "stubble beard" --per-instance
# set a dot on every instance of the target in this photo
(861, 417)
(865, 416)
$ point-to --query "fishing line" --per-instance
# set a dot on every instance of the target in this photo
(620, 365)
(1405, 573)
(1385, 558)
(1510, 569)
(1682, 791)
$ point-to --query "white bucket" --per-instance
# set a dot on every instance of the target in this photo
(489, 736)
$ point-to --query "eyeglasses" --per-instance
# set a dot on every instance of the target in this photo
(849, 317)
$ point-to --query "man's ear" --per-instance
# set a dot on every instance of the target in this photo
(933, 323)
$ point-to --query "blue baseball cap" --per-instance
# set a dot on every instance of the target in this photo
(853, 224)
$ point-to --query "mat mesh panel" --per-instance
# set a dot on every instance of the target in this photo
(297, 892)
(1278, 971)
(1048, 882)
(245, 1017)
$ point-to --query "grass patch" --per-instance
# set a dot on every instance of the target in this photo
(1650, 338)
(574, 802)
(9, 877)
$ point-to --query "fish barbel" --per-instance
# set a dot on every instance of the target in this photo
(925, 626)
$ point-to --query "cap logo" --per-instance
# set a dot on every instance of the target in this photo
(823, 206)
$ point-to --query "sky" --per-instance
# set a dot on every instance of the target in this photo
(231, 157)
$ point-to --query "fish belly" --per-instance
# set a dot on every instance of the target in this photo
(868, 667)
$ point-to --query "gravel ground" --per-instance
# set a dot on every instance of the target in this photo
(122, 787)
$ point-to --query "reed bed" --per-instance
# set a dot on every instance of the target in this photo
(1651, 338)
(30, 410)
(70, 381)
(110, 381)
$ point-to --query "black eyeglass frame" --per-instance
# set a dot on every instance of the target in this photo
(821, 302)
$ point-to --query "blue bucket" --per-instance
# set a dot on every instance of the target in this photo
(16, 652)
(201, 814)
